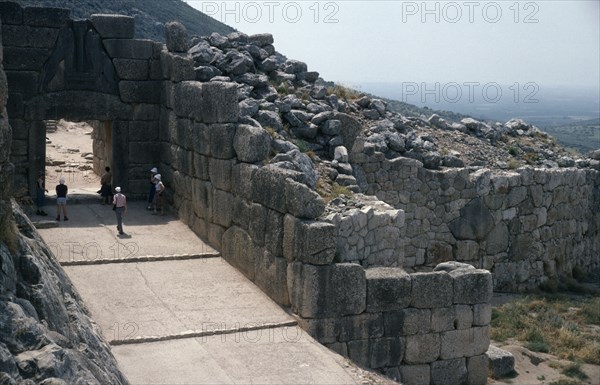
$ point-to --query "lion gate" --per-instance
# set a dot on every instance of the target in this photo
(82, 70)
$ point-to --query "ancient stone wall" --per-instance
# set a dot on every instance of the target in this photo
(526, 226)
(81, 70)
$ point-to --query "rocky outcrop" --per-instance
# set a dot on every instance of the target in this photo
(46, 334)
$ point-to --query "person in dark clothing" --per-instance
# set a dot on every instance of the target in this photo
(106, 186)
(61, 199)
(153, 173)
(41, 191)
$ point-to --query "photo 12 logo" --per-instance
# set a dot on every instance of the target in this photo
(272, 11)
(470, 11)
(468, 92)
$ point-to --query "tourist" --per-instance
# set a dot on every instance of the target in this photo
(61, 199)
(158, 199)
(153, 173)
(106, 186)
(41, 194)
(120, 207)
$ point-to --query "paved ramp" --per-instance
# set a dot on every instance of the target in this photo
(175, 312)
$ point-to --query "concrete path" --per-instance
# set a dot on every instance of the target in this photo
(177, 313)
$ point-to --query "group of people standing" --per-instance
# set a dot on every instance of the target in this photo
(118, 199)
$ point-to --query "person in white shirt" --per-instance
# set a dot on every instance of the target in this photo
(120, 207)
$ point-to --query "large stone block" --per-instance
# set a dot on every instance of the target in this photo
(143, 131)
(45, 16)
(202, 200)
(464, 343)
(472, 286)
(308, 241)
(129, 48)
(146, 112)
(422, 348)
(24, 59)
(271, 277)
(431, 290)
(177, 66)
(221, 138)
(449, 372)
(474, 223)
(200, 139)
(222, 208)
(24, 36)
(302, 201)
(501, 362)
(387, 352)
(361, 327)
(324, 330)
(11, 13)
(482, 314)
(477, 367)
(258, 223)
(176, 36)
(387, 289)
(267, 185)
(140, 91)
(220, 173)
(359, 351)
(75, 104)
(252, 144)
(131, 69)
(274, 233)
(327, 291)
(114, 26)
(239, 250)
(220, 103)
(144, 152)
(187, 99)
(242, 182)
(415, 374)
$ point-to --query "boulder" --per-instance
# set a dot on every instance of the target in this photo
(176, 36)
(501, 362)
(251, 144)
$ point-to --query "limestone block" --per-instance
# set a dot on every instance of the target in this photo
(472, 286)
(415, 374)
(131, 69)
(242, 182)
(497, 240)
(324, 330)
(501, 362)
(114, 26)
(362, 326)
(251, 144)
(449, 372)
(24, 36)
(221, 138)
(239, 250)
(327, 291)
(177, 67)
(359, 352)
(24, 59)
(386, 352)
(146, 112)
(464, 342)
(222, 208)
(202, 200)
(463, 317)
(220, 172)
(176, 36)
(274, 233)
(129, 48)
(220, 103)
(257, 223)
(266, 186)
(271, 277)
(308, 241)
(407, 321)
(387, 289)
(474, 223)
(187, 99)
(477, 367)
(11, 13)
(144, 152)
(302, 201)
(140, 91)
(200, 141)
(45, 16)
(442, 319)
(422, 348)
(482, 314)
(431, 290)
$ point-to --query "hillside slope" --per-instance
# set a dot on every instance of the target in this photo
(150, 15)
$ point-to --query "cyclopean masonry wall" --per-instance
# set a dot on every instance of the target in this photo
(267, 221)
(277, 232)
(81, 70)
(526, 226)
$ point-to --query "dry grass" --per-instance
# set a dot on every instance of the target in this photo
(344, 92)
(555, 324)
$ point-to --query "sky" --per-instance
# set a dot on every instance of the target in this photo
(548, 43)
